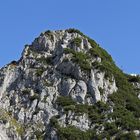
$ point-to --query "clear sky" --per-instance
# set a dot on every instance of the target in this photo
(114, 24)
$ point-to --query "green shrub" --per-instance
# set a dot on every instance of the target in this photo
(81, 108)
(73, 133)
(7, 117)
(102, 107)
(82, 60)
(36, 111)
(69, 107)
(133, 78)
(65, 101)
(14, 63)
(125, 119)
(49, 34)
(91, 41)
(101, 91)
(35, 96)
(100, 52)
(111, 128)
(26, 91)
(72, 30)
(39, 135)
(128, 136)
(94, 115)
(39, 72)
(48, 83)
(45, 61)
(54, 122)
(65, 60)
(68, 50)
(94, 112)
(77, 41)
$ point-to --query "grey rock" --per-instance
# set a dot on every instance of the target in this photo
(79, 92)
(29, 88)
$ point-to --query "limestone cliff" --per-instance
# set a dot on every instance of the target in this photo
(65, 86)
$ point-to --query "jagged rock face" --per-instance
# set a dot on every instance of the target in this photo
(30, 87)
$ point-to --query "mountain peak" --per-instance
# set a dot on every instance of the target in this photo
(65, 86)
(49, 39)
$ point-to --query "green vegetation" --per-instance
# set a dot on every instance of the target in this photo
(94, 112)
(19, 128)
(7, 117)
(14, 63)
(39, 131)
(36, 111)
(45, 61)
(39, 72)
(70, 132)
(124, 119)
(101, 91)
(73, 133)
(65, 60)
(80, 58)
(72, 30)
(48, 83)
(133, 78)
(35, 96)
(26, 91)
(100, 52)
(111, 128)
(83, 60)
(77, 41)
(49, 34)
(126, 104)
(127, 136)
(96, 50)
(68, 50)
(39, 135)
(54, 122)
(92, 42)
(65, 101)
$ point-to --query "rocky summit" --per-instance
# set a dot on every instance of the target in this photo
(66, 87)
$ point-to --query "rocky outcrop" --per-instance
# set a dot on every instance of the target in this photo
(54, 65)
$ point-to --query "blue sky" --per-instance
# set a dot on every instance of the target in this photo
(114, 24)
